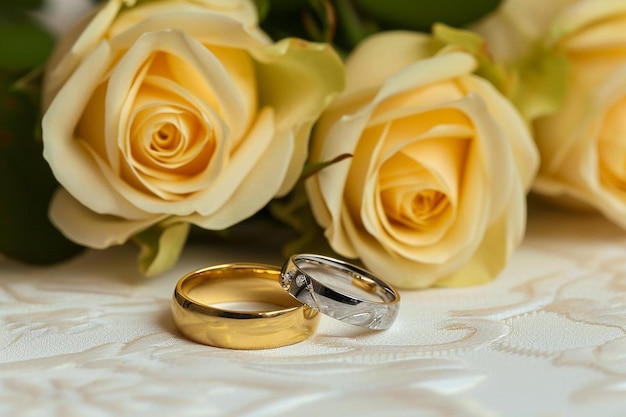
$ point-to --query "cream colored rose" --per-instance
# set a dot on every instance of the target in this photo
(178, 112)
(435, 190)
(582, 145)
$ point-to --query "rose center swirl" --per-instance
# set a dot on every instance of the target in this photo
(411, 195)
(414, 208)
(429, 203)
(166, 138)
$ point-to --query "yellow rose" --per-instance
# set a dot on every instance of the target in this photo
(583, 144)
(178, 112)
(435, 190)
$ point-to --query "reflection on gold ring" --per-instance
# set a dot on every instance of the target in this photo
(203, 312)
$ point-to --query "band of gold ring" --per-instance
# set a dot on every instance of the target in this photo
(197, 317)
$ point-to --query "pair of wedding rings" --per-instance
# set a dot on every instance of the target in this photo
(208, 304)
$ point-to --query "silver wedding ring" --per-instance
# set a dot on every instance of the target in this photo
(341, 290)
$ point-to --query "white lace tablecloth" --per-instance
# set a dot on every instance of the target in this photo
(546, 339)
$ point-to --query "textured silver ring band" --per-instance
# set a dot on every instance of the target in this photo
(341, 290)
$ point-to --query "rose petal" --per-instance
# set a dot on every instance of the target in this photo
(75, 45)
(261, 140)
(408, 47)
(60, 146)
(88, 228)
(575, 20)
(191, 16)
(256, 189)
(485, 262)
(364, 167)
(399, 271)
(427, 72)
(496, 156)
(516, 131)
(608, 35)
(331, 180)
(400, 106)
(612, 147)
(499, 241)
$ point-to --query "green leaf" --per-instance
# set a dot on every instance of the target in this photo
(13, 5)
(26, 184)
(263, 8)
(160, 246)
(466, 40)
(542, 86)
(282, 6)
(421, 15)
(472, 43)
(23, 44)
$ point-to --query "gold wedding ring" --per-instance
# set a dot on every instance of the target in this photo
(208, 307)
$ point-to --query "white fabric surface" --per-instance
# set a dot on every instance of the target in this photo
(546, 339)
